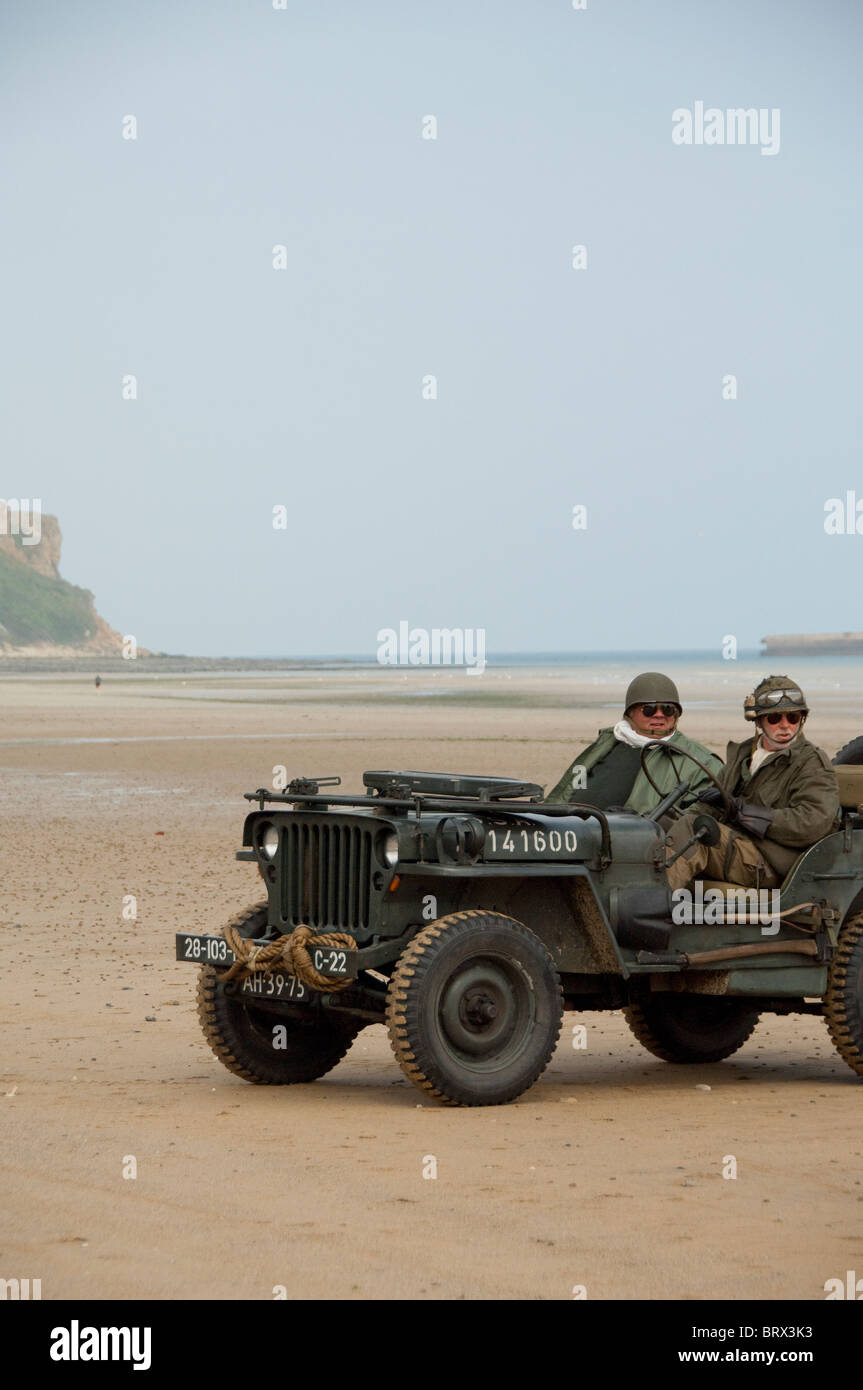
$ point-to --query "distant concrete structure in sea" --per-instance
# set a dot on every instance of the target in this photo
(814, 644)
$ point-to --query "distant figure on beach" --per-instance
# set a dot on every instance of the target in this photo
(98, 682)
(609, 771)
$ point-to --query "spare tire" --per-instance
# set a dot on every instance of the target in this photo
(852, 754)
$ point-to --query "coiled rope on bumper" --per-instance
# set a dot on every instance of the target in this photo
(291, 953)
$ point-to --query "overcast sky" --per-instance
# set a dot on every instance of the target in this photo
(407, 257)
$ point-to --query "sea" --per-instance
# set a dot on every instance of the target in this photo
(705, 679)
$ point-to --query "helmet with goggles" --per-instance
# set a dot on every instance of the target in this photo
(772, 695)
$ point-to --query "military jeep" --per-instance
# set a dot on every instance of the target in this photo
(467, 914)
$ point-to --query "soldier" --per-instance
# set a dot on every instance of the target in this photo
(609, 771)
(783, 792)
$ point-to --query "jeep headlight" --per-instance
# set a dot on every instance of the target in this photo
(389, 849)
(459, 839)
(269, 841)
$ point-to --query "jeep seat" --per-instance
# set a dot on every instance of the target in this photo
(850, 787)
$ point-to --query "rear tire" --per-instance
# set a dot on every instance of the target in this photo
(851, 755)
(474, 1009)
(843, 1002)
(688, 1029)
(242, 1036)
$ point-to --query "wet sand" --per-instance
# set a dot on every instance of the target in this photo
(607, 1174)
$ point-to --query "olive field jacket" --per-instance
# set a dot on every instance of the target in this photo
(797, 782)
(665, 769)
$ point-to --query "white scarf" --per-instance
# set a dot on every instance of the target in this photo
(624, 733)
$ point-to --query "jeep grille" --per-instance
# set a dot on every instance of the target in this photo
(325, 875)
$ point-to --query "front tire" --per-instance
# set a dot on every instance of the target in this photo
(243, 1037)
(474, 1009)
(843, 1002)
(689, 1029)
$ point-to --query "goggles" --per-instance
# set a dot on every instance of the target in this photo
(773, 697)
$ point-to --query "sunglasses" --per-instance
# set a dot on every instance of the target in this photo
(649, 709)
(792, 716)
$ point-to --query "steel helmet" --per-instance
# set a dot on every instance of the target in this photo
(774, 693)
(652, 685)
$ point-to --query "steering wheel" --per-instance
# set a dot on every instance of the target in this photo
(657, 743)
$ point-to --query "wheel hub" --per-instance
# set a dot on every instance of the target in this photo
(477, 1009)
(485, 1012)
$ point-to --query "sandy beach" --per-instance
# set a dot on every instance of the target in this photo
(606, 1175)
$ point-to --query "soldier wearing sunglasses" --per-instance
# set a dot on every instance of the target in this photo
(609, 772)
(783, 793)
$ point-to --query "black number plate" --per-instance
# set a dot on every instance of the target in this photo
(214, 950)
(276, 985)
(330, 962)
(203, 950)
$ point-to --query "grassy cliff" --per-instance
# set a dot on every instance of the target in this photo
(41, 608)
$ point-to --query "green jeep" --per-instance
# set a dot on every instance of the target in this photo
(467, 914)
